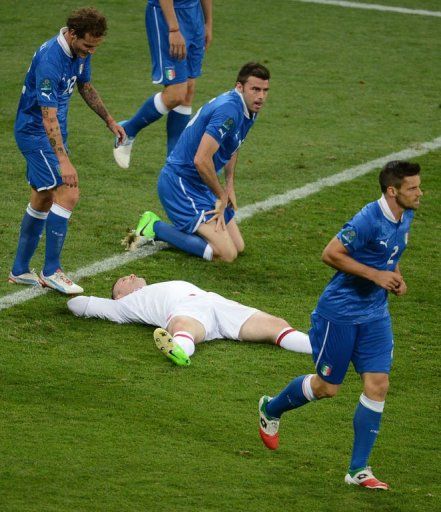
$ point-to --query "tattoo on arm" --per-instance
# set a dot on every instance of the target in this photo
(92, 98)
(53, 131)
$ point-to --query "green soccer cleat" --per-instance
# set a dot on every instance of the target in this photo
(171, 350)
(145, 225)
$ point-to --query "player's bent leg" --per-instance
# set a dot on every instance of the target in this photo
(174, 95)
(323, 389)
(236, 235)
(188, 324)
(171, 350)
(220, 241)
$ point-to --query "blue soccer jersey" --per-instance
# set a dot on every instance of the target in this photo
(226, 119)
(49, 82)
(372, 237)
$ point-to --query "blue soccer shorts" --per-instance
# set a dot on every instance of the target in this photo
(369, 346)
(42, 167)
(167, 70)
(187, 202)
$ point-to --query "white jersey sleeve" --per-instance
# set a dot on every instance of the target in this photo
(95, 307)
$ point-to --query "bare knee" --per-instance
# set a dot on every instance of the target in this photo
(67, 197)
(375, 385)
(226, 254)
(323, 389)
(42, 201)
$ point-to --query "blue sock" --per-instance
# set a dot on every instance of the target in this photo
(30, 233)
(177, 120)
(56, 229)
(192, 244)
(367, 420)
(297, 393)
(149, 112)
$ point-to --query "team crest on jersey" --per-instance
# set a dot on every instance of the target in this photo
(348, 236)
(325, 370)
(170, 73)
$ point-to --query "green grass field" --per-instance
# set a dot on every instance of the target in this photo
(93, 418)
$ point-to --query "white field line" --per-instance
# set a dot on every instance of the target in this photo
(246, 212)
(374, 7)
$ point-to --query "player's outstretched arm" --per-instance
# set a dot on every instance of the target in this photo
(337, 256)
(92, 98)
(53, 132)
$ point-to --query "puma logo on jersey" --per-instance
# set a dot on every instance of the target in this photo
(48, 95)
(382, 242)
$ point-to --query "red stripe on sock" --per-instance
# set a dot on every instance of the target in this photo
(184, 336)
(284, 333)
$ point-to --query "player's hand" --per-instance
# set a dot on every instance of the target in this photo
(117, 130)
(401, 290)
(69, 174)
(208, 36)
(178, 49)
(390, 281)
(218, 215)
(232, 198)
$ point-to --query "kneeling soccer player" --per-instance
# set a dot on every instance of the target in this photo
(351, 321)
(189, 314)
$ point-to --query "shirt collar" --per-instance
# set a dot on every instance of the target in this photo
(63, 43)
(245, 108)
(387, 212)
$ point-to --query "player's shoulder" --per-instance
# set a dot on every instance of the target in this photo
(50, 55)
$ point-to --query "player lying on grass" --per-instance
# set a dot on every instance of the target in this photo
(186, 316)
(351, 322)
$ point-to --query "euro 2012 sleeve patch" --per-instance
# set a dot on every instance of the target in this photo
(46, 85)
(226, 127)
(348, 235)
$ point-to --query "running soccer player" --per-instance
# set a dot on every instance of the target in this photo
(41, 135)
(352, 322)
(189, 314)
(178, 33)
(199, 206)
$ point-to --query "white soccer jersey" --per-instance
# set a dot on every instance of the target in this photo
(157, 303)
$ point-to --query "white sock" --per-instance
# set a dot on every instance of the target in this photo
(186, 341)
(297, 341)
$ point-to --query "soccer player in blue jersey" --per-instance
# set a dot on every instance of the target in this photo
(41, 134)
(200, 207)
(178, 33)
(351, 321)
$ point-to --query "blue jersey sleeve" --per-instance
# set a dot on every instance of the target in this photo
(85, 71)
(47, 78)
(357, 233)
(223, 120)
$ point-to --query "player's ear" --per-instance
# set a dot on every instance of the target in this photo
(239, 86)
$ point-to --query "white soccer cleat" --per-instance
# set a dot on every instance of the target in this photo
(121, 152)
(365, 478)
(60, 282)
(27, 278)
(268, 427)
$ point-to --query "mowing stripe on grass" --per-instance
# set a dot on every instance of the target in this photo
(374, 7)
(246, 212)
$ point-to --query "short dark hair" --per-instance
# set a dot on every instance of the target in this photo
(393, 173)
(87, 20)
(112, 294)
(252, 69)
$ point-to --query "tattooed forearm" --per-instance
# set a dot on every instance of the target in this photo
(92, 98)
(53, 131)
